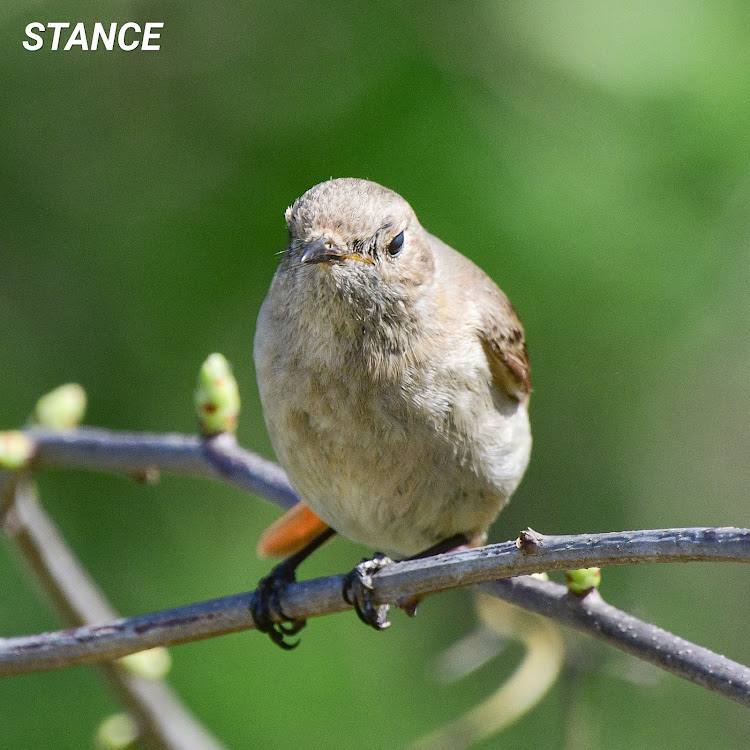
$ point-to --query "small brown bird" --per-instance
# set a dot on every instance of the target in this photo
(394, 380)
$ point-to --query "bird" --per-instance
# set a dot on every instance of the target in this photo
(394, 380)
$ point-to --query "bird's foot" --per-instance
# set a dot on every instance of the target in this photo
(266, 607)
(357, 591)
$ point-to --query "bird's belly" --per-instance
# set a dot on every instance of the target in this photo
(385, 469)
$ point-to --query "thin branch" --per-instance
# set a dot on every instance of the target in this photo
(536, 553)
(138, 453)
(591, 614)
(163, 721)
(222, 459)
(406, 579)
(74, 594)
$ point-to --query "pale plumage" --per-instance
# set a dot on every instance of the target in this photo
(392, 372)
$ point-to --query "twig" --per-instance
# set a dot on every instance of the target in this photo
(164, 723)
(403, 580)
(549, 553)
(218, 458)
(222, 459)
(591, 614)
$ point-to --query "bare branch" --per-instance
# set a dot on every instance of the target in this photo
(549, 553)
(220, 458)
(135, 453)
(406, 579)
(74, 594)
(591, 614)
(164, 723)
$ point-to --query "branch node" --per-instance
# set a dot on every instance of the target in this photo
(529, 541)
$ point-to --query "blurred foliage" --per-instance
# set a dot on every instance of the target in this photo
(592, 157)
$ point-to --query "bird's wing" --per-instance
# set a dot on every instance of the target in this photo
(503, 340)
(291, 532)
(498, 326)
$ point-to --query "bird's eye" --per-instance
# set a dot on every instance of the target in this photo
(396, 244)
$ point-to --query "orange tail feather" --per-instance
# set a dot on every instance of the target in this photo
(291, 532)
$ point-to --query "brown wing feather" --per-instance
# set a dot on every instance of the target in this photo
(504, 343)
(499, 328)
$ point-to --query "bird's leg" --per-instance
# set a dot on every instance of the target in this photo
(357, 588)
(447, 545)
(266, 607)
(357, 591)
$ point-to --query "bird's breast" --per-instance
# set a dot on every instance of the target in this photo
(391, 447)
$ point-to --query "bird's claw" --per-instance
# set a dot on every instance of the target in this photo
(357, 591)
(266, 608)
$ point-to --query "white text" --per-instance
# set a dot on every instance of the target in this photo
(128, 37)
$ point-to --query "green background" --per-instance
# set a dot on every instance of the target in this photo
(591, 156)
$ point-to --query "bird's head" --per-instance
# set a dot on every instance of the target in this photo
(362, 237)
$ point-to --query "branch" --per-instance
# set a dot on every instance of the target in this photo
(591, 614)
(162, 720)
(220, 458)
(409, 578)
(140, 453)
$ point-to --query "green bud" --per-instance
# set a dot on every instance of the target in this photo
(581, 581)
(16, 450)
(63, 408)
(116, 732)
(153, 663)
(217, 397)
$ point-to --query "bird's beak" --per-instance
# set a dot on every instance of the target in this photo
(322, 250)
